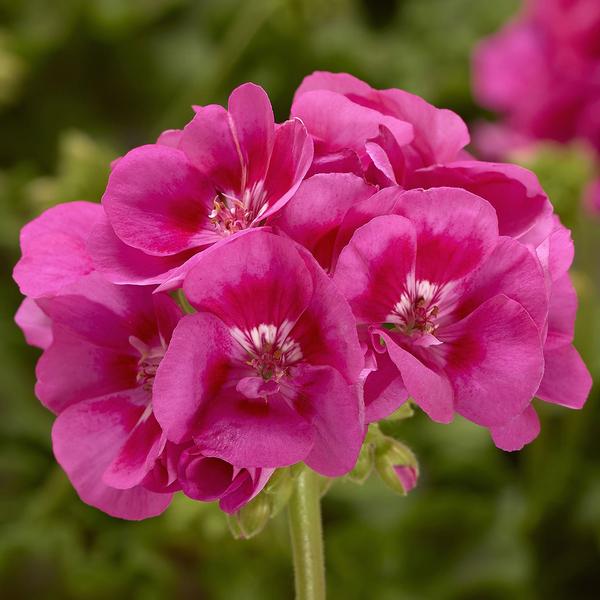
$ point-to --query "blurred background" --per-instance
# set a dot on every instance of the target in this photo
(83, 81)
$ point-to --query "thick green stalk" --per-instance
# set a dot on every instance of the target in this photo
(304, 511)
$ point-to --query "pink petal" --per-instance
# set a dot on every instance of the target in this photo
(518, 432)
(168, 313)
(514, 192)
(450, 223)
(86, 438)
(210, 145)
(372, 269)
(204, 478)
(257, 433)
(191, 373)
(384, 390)
(342, 83)
(337, 415)
(494, 361)
(252, 117)
(342, 161)
(562, 312)
(137, 456)
(326, 331)
(158, 202)
(290, 160)
(512, 270)
(72, 369)
(104, 314)
(408, 476)
(264, 281)
(123, 264)
(439, 133)
(34, 323)
(342, 124)
(54, 251)
(429, 389)
(566, 381)
(379, 204)
(170, 137)
(253, 482)
(314, 214)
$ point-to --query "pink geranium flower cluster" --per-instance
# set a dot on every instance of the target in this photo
(251, 295)
(542, 73)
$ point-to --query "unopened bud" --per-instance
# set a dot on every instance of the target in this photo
(251, 519)
(397, 466)
(279, 489)
(364, 464)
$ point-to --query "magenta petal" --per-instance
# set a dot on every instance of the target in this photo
(254, 480)
(518, 432)
(513, 270)
(337, 416)
(170, 137)
(341, 123)
(252, 117)
(54, 251)
(257, 433)
(123, 264)
(514, 192)
(190, 373)
(98, 371)
(566, 381)
(290, 160)
(204, 478)
(342, 83)
(561, 313)
(86, 438)
(104, 314)
(34, 323)
(439, 133)
(314, 214)
(377, 205)
(137, 456)
(327, 329)
(372, 269)
(451, 223)
(168, 313)
(384, 390)
(264, 281)
(494, 360)
(158, 202)
(430, 390)
(408, 476)
(211, 147)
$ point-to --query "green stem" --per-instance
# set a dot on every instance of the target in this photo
(304, 512)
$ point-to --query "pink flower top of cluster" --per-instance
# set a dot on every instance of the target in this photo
(332, 267)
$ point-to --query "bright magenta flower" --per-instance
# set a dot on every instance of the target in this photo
(456, 308)
(274, 380)
(227, 171)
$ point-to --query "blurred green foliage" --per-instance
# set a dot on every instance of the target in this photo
(82, 81)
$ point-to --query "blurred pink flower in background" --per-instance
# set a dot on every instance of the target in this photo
(541, 73)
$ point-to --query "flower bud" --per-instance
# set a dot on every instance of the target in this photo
(279, 489)
(251, 519)
(364, 464)
(397, 466)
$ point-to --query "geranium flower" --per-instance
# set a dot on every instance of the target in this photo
(226, 172)
(453, 306)
(265, 375)
(97, 375)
